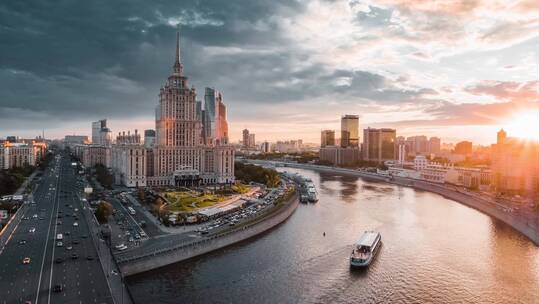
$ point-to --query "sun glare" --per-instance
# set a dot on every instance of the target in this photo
(524, 125)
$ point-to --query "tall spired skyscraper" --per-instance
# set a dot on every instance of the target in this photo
(181, 157)
(176, 120)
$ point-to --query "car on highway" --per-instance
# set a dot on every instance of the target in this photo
(59, 260)
(69, 247)
(75, 224)
(32, 230)
(74, 256)
(75, 242)
(22, 242)
(59, 244)
(58, 288)
(26, 260)
(89, 258)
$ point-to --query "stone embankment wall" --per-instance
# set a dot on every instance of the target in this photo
(208, 244)
(523, 223)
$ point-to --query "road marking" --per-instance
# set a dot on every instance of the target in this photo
(57, 201)
(44, 254)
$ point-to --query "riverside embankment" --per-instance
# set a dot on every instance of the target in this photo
(527, 224)
(181, 252)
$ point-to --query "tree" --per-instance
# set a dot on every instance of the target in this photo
(103, 176)
(252, 173)
(272, 180)
(103, 211)
(141, 194)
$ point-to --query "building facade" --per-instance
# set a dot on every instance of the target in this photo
(93, 155)
(13, 155)
(515, 166)
(245, 138)
(339, 156)
(463, 148)
(350, 131)
(180, 155)
(149, 138)
(101, 135)
(215, 120)
(71, 140)
(379, 144)
(129, 160)
(327, 138)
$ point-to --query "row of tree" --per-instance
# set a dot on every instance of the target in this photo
(252, 173)
(12, 179)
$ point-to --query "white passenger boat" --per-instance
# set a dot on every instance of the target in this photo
(365, 249)
(311, 193)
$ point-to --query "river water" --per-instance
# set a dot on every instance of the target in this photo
(434, 251)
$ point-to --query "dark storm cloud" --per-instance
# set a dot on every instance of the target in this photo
(80, 60)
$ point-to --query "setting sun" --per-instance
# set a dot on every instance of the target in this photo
(525, 125)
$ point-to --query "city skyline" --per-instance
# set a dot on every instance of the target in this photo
(288, 151)
(473, 70)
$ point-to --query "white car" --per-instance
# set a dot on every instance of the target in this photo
(59, 244)
(75, 224)
(121, 247)
(32, 230)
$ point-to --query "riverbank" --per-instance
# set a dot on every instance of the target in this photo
(167, 256)
(524, 223)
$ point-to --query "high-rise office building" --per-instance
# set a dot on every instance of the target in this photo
(245, 138)
(215, 121)
(379, 144)
(350, 131)
(252, 142)
(101, 135)
(265, 147)
(327, 138)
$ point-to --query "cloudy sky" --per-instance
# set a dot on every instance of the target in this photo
(287, 69)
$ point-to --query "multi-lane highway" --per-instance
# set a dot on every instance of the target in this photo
(35, 267)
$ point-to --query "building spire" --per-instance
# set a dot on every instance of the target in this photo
(178, 68)
(178, 46)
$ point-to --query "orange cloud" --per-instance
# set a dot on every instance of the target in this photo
(507, 90)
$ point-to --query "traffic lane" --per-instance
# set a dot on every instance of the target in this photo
(132, 221)
(151, 228)
(89, 282)
(15, 275)
(46, 259)
(24, 277)
(126, 219)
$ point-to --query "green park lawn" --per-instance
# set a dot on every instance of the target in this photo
(190, 201)
(187, 201)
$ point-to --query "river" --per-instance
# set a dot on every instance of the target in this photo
(434, 251)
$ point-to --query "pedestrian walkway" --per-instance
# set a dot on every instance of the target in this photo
(25, 183)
